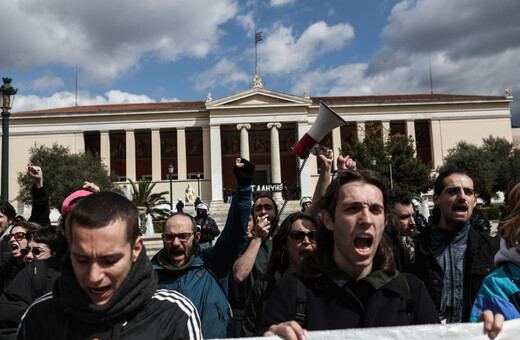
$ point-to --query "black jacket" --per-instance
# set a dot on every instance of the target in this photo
(478, 263)
(137, 310)
(339, 304)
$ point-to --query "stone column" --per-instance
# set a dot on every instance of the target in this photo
(361, 131)
(244, 140)
(130, 155)
(206, 157)
(156, 155)
(410, 132)
(79, 142)
(181, 154)
(216, 163)
(386, 130)
(305, 176)
(436, 142)
(276, 168)
(104, 147)
(336, 145)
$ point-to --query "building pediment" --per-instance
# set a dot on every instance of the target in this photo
(257, 97)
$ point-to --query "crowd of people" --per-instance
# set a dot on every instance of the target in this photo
(356, 255)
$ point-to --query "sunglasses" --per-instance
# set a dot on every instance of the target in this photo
(17, 236)
(299, 236)
(183, 237)
(35, 251)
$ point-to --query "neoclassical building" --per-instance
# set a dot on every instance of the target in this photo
(201, 139)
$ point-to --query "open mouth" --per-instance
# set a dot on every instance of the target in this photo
(363, 243)
(460, 209)
(99, 290)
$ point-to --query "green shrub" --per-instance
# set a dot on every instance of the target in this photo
(158, 226)
(492, 212)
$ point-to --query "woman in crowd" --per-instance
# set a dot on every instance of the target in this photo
(42, 244)
(294, 239)
(17, 240)
(500, 290)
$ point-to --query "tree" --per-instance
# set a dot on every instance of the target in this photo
(143, 196)
(64, 173)
(492, 166)
(408, 171)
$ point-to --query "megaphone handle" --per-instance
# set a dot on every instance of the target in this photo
(275, 225)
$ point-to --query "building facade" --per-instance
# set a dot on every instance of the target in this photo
(201, 139)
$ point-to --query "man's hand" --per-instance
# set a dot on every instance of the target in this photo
(36, 173)
(325, 157)
(90, 187)
(262, 227)
(492, 323)
(345, 163)
(290, 330)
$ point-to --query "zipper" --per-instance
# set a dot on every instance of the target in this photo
(452, 289)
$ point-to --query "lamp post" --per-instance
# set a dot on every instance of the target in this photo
(198, 184)
(6, 91)
(391, 177)
(374, 163)
(170, 171)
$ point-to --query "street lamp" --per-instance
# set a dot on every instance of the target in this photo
(6, 91)
(391, 178)
(170, 171)
(374, 163)
(198, 184)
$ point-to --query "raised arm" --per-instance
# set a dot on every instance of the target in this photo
(40, 200)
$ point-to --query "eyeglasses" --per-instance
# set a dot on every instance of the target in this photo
(299, 236)
(183, 237)
(17, 236)
(35, 251)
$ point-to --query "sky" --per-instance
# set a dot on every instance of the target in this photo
(128, 51)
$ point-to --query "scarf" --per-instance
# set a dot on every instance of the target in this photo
(135, 291)
(162, 259)
(507, 254)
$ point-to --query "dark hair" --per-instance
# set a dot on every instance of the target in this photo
(277, 260)
(27, 226)
(399, 196)
(101, 208)
(193, 223)
(384, 258)
(51, 236)
(272, 200)
(439, 186)
(7, 209)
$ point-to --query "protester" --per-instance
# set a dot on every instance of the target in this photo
(451, 257)
(295, 238)
(350, 280)
(201, 274)
(500, 291)
(17, 241)
(208, 226)
(36, 279)
(108, 287)
(7, 215)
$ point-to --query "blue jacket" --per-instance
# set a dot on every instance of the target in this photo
(204, 282)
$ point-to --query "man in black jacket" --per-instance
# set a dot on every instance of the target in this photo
(451, 257)
(108, 288)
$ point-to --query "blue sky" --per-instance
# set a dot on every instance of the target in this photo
(129, 51)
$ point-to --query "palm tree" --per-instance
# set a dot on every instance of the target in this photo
(142, 196)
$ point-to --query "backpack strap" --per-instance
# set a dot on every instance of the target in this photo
(408, 300)
(39, 277)
(301, 302)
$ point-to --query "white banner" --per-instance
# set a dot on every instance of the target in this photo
(474, 331)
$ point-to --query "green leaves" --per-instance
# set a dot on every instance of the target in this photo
(64, 173)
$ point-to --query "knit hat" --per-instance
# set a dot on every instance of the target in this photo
(72, 199)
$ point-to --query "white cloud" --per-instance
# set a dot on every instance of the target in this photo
(278, 3)
(106, 40)
(247, 22)
(224, 73)
(67, 99)
(47, 84)
(283, 53)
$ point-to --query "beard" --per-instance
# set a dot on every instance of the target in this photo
(189, 252)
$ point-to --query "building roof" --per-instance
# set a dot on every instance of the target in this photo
(201, 105)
